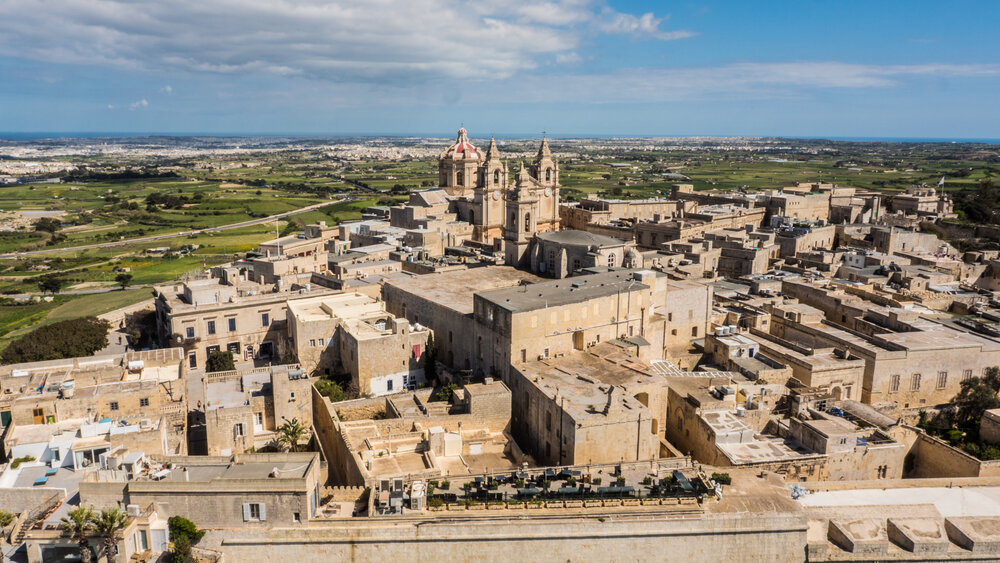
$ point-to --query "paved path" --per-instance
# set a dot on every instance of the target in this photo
(221, 228)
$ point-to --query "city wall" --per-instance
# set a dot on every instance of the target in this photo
(775, 538)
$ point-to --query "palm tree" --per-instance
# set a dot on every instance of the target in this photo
(108, 523)
(291, 433)
(79, 522)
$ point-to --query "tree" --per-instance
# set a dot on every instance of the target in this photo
(331, 390)
(6, 518)
(181, 527)
(291, 433)
(430, 359)
(182, 550)
(123, 279)
(50, 284)
(72, 338)
(79, 522)
(220, 360)
(48, 225)
(108, 523)
(978, 395)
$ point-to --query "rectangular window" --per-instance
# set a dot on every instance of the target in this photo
(942, 380)
(254, 512)
(144, 402)
(113, 405)
(265, 319)
(239, 430)
(232, 324)
(967, 374)
(192, 360)
(312, 343)
(296, 517)
(258, 419)
(388, 385)
(894, 384)
(915, 382)
(189, 332)
(694, 331)
(211, 327)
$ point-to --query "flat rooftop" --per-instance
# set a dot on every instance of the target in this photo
(555, 293)
(240, 467)
(455, 289)
(584, 379)
(336, 306)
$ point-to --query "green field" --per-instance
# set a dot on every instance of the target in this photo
(17, 320)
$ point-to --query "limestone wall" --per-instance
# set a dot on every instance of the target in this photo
(775, 538)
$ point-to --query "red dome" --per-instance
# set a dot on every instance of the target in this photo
(462, 147)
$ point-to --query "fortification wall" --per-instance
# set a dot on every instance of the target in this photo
(774, 538)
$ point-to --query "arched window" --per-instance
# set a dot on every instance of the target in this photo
(576, 264)
(460, 179)
(548, 174)
(496, 177)
(527, 221)
(612, 260)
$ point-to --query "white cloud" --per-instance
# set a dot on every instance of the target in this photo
(168, 89)
(388, 40)
(569, 58)
(111, 106)
(644, 25)
(139, 104)
(742, 80)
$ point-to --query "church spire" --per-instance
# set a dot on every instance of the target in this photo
(543, 151)
(493, 153)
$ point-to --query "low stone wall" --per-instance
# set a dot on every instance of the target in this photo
(17, 500)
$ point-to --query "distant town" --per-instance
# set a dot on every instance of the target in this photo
(767, 349)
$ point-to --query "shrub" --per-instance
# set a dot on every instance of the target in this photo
(6, 518)
(65, 339)
(444, 393)
(16, 462)
(621, 480)
(220, 360)
(647, 480)
(435, 502)
(446, 485)
(596, 481)
(331, 390)
(722, 478)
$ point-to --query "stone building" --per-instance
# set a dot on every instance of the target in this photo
(443, 302)
(478, 185)
(244, 408)
(136, 388)
(598, 406)
(560, 254)
(239, 491)
(909, 361)
(353, 334)
(653, 233)
(923, 201)
(208, 315)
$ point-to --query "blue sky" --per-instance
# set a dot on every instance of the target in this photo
(568, 67)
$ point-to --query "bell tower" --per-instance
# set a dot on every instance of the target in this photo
(491, 184)
(521, 221)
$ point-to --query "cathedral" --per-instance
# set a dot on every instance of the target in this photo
(482, 193)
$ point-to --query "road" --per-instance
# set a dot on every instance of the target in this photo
(221, 228)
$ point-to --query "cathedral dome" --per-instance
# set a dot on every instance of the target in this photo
(462, 149)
